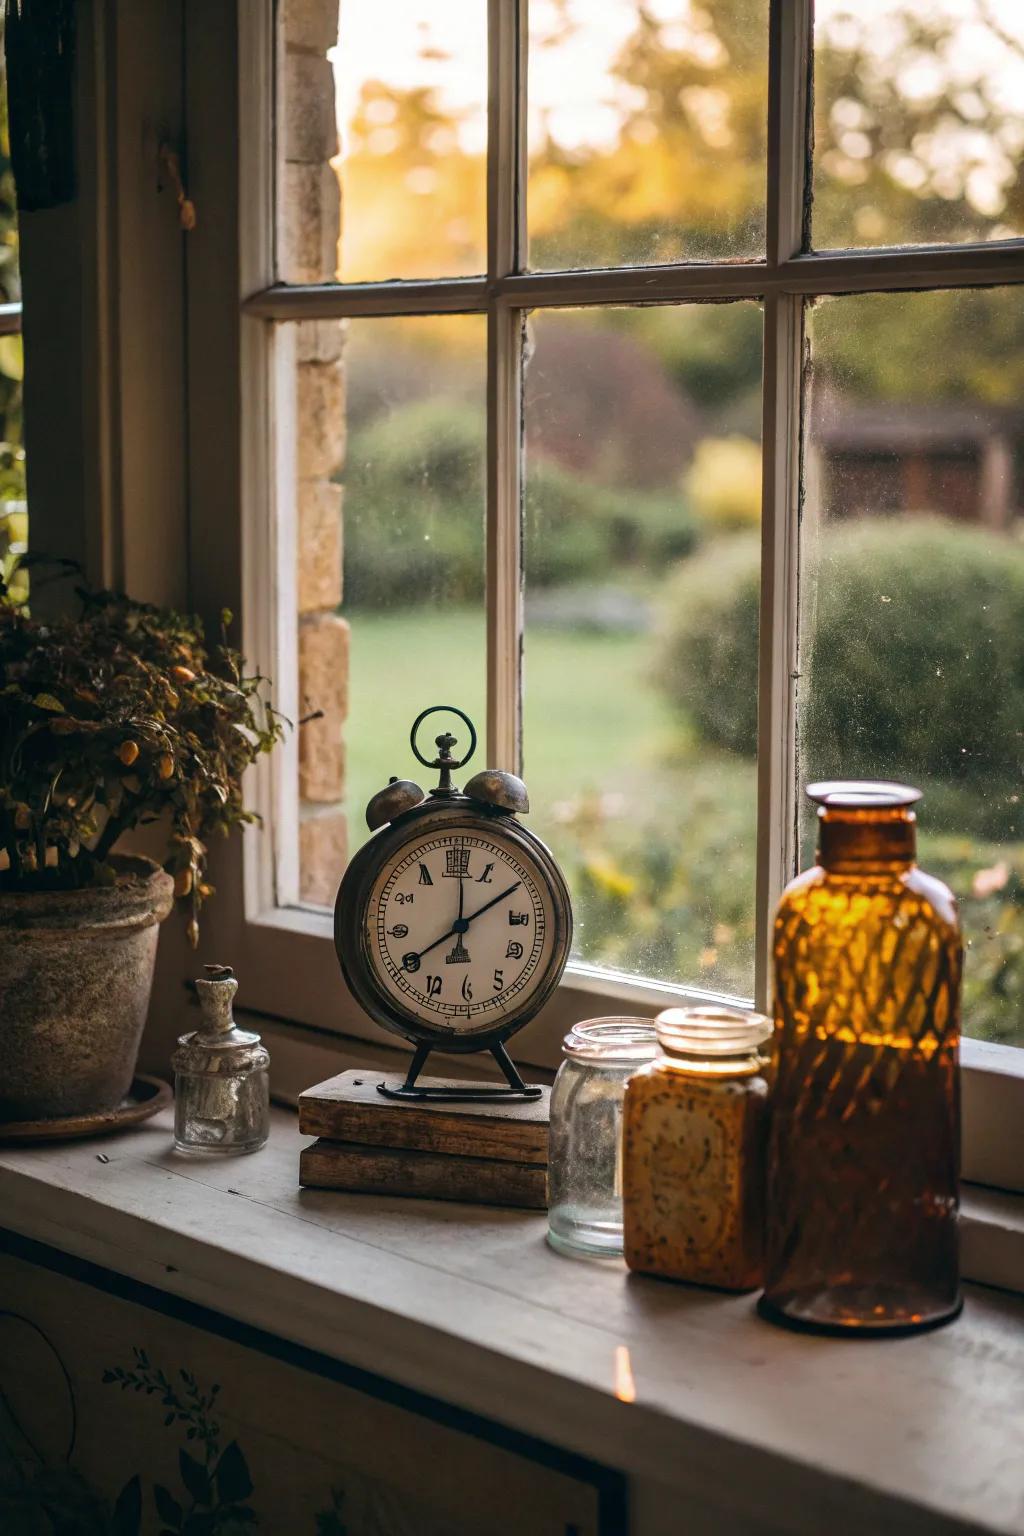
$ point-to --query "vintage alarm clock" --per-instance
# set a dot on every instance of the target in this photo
(453, 922)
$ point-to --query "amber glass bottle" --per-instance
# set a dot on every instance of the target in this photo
(863, 1161)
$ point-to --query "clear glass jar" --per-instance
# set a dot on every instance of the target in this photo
(695, 1127)
(221, 1077)
(585, 1149)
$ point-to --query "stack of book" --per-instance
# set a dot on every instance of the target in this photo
(484, 1153)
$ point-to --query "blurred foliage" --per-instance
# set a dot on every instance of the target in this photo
(913, 663)
(914, 143)
(724, 483)
(907, 348)
(659, 895)
(707, 659)
(414, 498)
(685, 175)
(916, 672)
(679, 906)
(109, 721)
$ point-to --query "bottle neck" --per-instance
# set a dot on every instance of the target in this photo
(866, 840)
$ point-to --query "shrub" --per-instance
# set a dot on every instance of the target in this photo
(414, 514)
(707, 659)
(577, 530)
(724, 483)
(414, 506)
(916, 668)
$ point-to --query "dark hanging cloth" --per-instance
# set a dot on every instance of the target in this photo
(39, 44)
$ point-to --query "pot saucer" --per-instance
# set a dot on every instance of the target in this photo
(146, 1097)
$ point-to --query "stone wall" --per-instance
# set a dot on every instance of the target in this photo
(309, 226)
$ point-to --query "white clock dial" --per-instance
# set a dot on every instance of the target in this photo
(458, 931)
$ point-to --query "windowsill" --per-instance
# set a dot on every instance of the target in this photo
(471, 1306)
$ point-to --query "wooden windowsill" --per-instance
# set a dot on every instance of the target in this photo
(683, 1388)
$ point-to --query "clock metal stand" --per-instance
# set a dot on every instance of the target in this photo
(398, 815)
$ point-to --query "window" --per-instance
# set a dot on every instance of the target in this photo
(582, 391)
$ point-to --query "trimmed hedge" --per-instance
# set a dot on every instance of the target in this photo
(915, 666)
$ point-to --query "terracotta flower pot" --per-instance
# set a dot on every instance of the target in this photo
(76, 972)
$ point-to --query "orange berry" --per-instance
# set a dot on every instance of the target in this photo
(183, 882)
(183, 674)
(165, 767)
(128, 751)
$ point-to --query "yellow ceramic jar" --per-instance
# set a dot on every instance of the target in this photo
(694, 1131)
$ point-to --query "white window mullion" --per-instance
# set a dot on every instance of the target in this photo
(505, 182)
(788, 80)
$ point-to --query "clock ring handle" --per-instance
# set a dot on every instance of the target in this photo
(444, 743)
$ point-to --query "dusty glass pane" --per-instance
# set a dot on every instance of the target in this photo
(390, 551)
(646, 131)
(383, 142)
(919, 121)
(642, 504)
(912, 655)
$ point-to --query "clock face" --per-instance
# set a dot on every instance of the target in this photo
(460, 929)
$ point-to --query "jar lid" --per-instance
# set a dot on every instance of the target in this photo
(711, 1030)
(612, 1040)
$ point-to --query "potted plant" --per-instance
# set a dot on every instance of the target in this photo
(108, 721)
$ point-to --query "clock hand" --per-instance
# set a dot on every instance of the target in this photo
(462, 923)
(492, 903)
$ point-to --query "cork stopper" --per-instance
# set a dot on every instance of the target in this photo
(216, 994)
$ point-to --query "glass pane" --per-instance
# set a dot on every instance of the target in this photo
(642, 501)
(390, 580)
(383, 142)
(913, 594)
(646, 131)
(919, 121)
(13, 505)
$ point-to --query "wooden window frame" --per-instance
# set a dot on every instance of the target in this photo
(284, 952)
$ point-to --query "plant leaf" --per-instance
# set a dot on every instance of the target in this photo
(167, 1507)
(127, 1519)
(47, 701)
(233, 1481)
(195, 1478)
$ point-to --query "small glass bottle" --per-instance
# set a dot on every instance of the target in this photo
(693, 1150)
(863, 1160)
(221, 1081)
(585, 1145)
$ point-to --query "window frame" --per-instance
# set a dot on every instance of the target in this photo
(285, 953)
